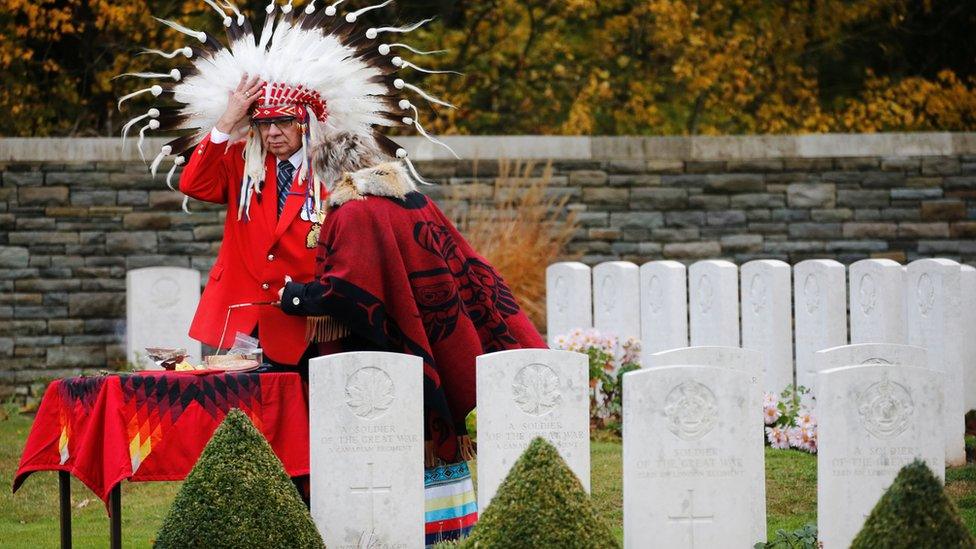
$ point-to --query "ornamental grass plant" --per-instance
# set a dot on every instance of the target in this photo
(521, 228)
(238, 495)
(914, 512)
(541, 503)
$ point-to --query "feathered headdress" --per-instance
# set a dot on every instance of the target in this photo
(340, 79)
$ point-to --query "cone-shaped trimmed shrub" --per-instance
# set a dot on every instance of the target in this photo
(914, 512)
(238, 495)
(540, 504)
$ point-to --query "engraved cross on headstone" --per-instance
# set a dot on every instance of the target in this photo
(370, 489)
(688, 515)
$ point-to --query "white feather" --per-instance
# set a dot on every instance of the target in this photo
(385, 49)
(163, 153)
(352, 17)
(151, 113)
(413, 172)
(401, 30)
(216, 8)
(229, 5)
(401, 84)
(174, 74)
(407, 64)
(331, 10)
(199, 35)
(423, 132)
(155, 90)
(187, 52)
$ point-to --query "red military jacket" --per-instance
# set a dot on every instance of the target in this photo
(254, 256)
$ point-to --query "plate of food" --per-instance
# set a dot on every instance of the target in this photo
(231, 363)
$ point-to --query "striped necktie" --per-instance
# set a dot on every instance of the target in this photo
(285, 172)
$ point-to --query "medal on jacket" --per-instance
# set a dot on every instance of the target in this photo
(312, 239)
(308, 209)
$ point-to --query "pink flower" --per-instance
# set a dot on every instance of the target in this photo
(795, 436)
(809, 437)
(806, 419)
(777, 438)
(771, 414)
(803, 439)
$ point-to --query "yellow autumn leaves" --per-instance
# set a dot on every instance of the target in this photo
(540, 66)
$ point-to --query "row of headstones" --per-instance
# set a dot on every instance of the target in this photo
(693, 458)
(930, 303)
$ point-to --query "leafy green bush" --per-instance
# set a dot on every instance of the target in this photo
(914, 512)
(540, 504)
(238, 495)
(804, 538)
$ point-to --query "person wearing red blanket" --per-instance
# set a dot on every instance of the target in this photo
(394, 274)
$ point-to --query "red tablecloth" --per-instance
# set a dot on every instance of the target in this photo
(154, 425)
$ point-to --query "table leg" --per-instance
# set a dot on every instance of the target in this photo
(64, 489)
(115, 520)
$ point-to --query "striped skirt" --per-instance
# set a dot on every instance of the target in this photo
(451, 508)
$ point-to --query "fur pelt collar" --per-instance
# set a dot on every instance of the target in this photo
(389, 179)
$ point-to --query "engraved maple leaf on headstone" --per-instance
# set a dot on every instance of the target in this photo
(536, 389)
(369, 392)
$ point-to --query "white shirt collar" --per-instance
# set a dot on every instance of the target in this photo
(296, 159)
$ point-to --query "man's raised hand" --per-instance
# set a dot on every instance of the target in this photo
(238, 102)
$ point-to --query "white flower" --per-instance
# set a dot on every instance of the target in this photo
(795, 437)
(777, 438)
(806, 419)
(771, 414)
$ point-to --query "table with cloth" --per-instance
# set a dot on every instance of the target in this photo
(154, 425)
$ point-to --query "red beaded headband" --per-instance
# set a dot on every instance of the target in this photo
(277, 100)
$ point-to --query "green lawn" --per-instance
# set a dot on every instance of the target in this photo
(30, 518)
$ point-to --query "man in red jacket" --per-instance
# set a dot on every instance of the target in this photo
(270, 231)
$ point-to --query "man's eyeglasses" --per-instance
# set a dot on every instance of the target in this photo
(264, 124)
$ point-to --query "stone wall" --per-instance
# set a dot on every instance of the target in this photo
(76, 214)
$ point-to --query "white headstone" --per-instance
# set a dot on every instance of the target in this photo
(767, 326)
(713, 288)
(819, 312)
(159, 306)
(967, 283)
(664, 307)
(748, 360)
(366, 435)
(693, 458)
(935, 323)
(569, 299)
(528, 393)
(616, 299)
(872, 421)
(870, 353)
(877, 302)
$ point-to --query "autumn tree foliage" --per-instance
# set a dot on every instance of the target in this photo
(566, 67)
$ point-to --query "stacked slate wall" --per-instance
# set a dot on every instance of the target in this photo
(75, 217)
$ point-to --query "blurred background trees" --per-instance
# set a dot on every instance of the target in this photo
(664, 67)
